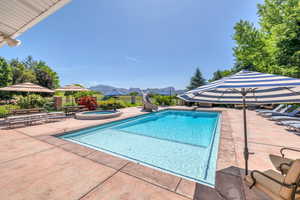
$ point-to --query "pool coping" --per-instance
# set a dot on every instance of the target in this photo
(223, 165)
(83, 116)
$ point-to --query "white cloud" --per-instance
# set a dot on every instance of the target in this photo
(132, 59)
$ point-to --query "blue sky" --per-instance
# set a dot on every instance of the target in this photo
(136, 43)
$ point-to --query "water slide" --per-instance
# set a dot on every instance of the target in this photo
(148, 105)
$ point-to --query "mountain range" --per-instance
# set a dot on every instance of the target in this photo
(107, 90)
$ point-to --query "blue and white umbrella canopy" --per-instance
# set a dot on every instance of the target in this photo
(247, 88)
(114, 92)
(260, 88)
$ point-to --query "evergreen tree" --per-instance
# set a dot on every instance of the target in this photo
(197, 80)
(220, 74)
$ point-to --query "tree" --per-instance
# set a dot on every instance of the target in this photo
(29, 70)
(29, 62)
(249, 50)
(5, 73)
(45, 76)
(21, 73)
(197, 80)
(220, 74)
(274, 46)
(280, 23)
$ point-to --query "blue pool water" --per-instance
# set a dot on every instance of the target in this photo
(184, 143)
(98, 112)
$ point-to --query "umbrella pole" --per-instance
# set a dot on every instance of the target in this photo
(246, 152)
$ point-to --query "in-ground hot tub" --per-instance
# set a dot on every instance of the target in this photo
(98, 114)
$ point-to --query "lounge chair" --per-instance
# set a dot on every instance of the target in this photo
(276, 109)
(288, 122)
(282, 116)
(281, 163)
(279, 113)
(295, 127)
(275, 185)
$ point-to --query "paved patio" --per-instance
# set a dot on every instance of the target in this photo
(36, 165)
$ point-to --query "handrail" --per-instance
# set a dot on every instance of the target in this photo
(282, 164)
(287, 148)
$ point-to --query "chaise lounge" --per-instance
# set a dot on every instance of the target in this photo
(276, 109)
(286, 116)
(279, 113)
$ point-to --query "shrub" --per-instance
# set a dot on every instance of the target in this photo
(164, 100)
(70, 104)
(32, 101)
(5, 110)
(89, 102)
(111, 104)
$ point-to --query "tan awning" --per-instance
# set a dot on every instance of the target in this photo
(72, 88)
(26, 87)
(17, 16)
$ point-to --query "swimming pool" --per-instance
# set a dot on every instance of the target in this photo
(184, 143)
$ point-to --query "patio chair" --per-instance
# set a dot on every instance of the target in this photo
(11, 121)
(55, 116)
(288, 122)
(293, 113)
(276, 109)
(37, 118)
(281, 163)
(275, 185)
(238, 106)
(279, 113)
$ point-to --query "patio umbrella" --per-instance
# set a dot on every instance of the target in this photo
(72, 88)
(26, 87)
(114, 93)
(247, 87)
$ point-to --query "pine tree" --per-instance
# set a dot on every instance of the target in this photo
(197, 80)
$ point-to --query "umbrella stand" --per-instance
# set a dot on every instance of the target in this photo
(246, 152)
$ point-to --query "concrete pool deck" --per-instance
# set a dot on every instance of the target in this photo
(36, 165)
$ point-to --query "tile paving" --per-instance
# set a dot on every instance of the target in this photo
(36, 165)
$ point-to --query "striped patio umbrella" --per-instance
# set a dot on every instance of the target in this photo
(247, 87)
(72, 88)
(26, 87)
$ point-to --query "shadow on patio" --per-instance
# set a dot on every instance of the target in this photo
(229, 186)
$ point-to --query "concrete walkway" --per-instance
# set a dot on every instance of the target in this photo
(36, 165)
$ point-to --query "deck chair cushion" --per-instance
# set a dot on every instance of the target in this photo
(291, 177)
(266, 185)
(278, 160)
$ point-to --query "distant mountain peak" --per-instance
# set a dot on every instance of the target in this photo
(107, 89)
